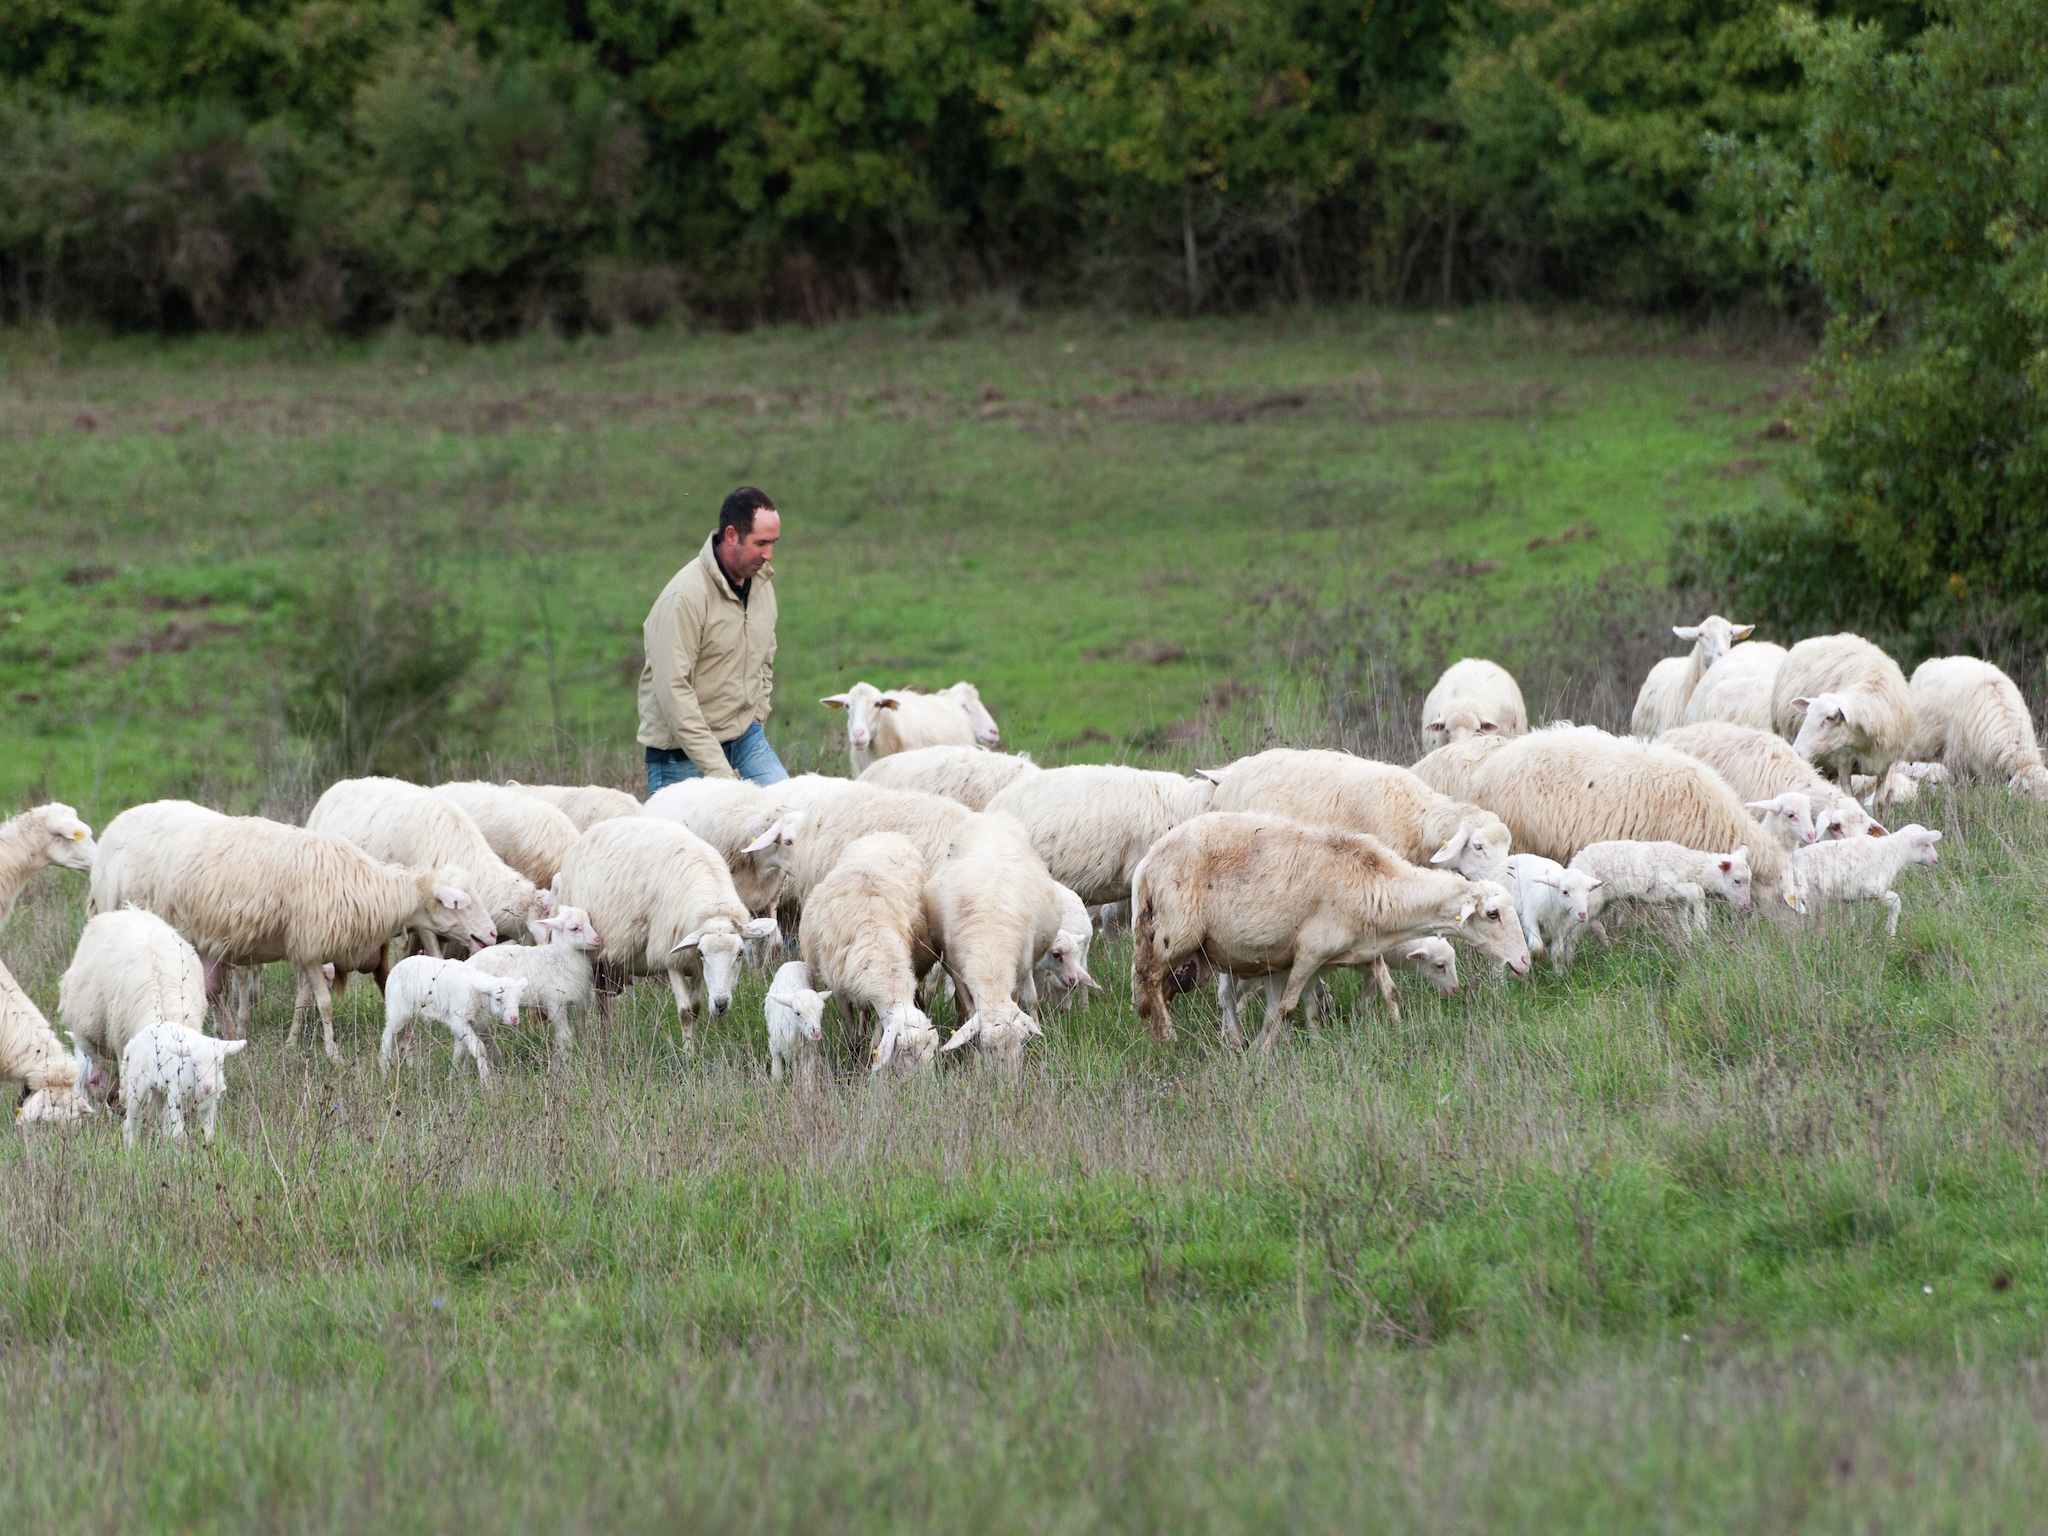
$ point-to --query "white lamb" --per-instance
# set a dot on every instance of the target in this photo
(1555, 904)
(881, 724)
(1861, 869)
(796, 1024)
(752, 827)
(970, 775)
(1092, 823)
(49, 834)
(165, 1068)
(1065, 964)
(452, 993)
(556, 969)
(1844, 705)
(523, 830)
(131, 969)
(1737, 688)
(864, 936)
(1969, 717)
(60, 1083)
(1473, 698)
(1436, 959)
(1670, 686)
(1664, 875)
(1786, 819)
(584, 804)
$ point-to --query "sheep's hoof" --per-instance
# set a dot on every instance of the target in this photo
(333, 1053)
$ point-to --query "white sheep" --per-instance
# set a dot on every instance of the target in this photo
(1093, 822)
(1555, 904)
(1969, 717)
(49, 834)
(1861, 869)
(131, 969)
(1669, 688)
(864, 936)
(751, 825)
(556, 969)
(991, 910)
(584, 804)
(1844, 705)
(1452, 770)
(1737, 688)
(881, 724)
(834, 819)
(402, 823)
(60, 1083)
(795, 1014)
(454, 994)
(664, 902)
(246, 891)
(1473, 698)
(166, 1067)
(1336, 789)
(1760, 765)
(1665, 875)
(526, 832)
(971, 775)
(1065, 964)
(1434, 958)
(1786, 819)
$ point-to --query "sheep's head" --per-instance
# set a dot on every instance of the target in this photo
(716, 949)
(503, 993)
(567, 926)
(1713, 637)
(1437, 960)
(1827, 729)
(1002, 1030)
(54, 1106)
(861, 702)
(1067, 959)
(2032, 783)
(1919, 843)
(69, 840)
(1478, 849)
(210, 1060)
(1485, 918)
(1461, 722)
(906, 1042)
(453, 913)
(1845, 818)
(1788, 818)
(92, 1078)
(1732, 871)
(808, 1009)
(979, 720)
(1575, 887)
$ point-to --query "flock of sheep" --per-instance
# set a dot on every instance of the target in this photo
(949, 867)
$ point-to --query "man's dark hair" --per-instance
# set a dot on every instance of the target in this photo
(739, 509)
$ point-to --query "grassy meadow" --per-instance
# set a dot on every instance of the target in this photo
(1744, 1236)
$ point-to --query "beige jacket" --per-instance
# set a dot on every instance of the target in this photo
(710, 662)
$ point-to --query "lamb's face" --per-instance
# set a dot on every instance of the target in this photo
(570, 926)
(1435, 959)
(1735, 876)
(809, 1008)
(1834, 822)
(1068, 960)
(1788, 819)
(1576, 892)
(1461, 722)
(71, 845)
(502, 996)
(1920, 843)
(1487, 921)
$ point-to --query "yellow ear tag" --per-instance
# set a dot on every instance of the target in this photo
(1461, 919)
(78, 834)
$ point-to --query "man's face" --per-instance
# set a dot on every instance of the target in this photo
(744, 557)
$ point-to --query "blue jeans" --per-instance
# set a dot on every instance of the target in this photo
(749, 753)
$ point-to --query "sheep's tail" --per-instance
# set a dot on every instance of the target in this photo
(1149, 961)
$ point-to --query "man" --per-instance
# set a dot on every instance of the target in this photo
(710, 640)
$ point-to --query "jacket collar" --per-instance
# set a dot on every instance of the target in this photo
(719, 581)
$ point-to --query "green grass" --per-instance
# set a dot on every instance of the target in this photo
(1746, 1236)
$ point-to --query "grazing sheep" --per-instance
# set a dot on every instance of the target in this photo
(1555, 904)
(1473, 698)
(527, 833)
(1562, 789)
(556, 968)
(796, 1025)
(1844, 705)
(880, 724)
(452, 993)
(1092, 823)
(1262, 894)
(131, 969)
(863, 931)
(165, 1067)
(1065, 964)
(1434, 958)
(1737, 689)
(967, 774)
(1665, 874)
(837, 818)
(49, 834)
(1969, 717)
(1860, 869)
(664, 901)
(59, 1082)
(584, 804)
(246, 891)
(991, 910)
(1335, 789)
(1452, 770)
(1669, 687)
(750, 825)
(402, 823)
(1762, 765)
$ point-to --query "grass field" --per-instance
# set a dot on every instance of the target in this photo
(1744, 1237)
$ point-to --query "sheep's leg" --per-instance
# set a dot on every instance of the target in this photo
(1692, 910)
(394, 1028)
(558, 1016)
(131, 1122)
(468, 1043)
(1891, 922)
(302, 996)
(429, 943)
(774, 1065)
(1307, 961)
(208, 1112)
(1384, 976)
(1226, 1002)
(325, 1002)
(1027, 994)
(174, 1116)
(686, 1005)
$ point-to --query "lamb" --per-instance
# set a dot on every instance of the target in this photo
(1473, 698)
(1555, 904)
(1969, 717)
(584, 804)
(1737, 688)
(1844, 705)
(59, 1083)
(1452, 770)
(1092, 823)
(664, 901)
(49, 834)
(556, 969)
(1065, 964)
(835, 819)
(1665, 874)
(1259, 894)
(451, 993)
(527, 833)
(1861, 869)
(131, 969)
(882, 724)
(1335, 789)
(1562, 789)
(165, 1067)
(247, 891)
(796, 1024)
(402, 823)
(863, 931)
(992, 910)
(1433, 957)
(1761, 765)
(967, 774)
(1669, 687)
(1786, 819)
(752, 827)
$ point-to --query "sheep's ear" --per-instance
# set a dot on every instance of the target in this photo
(1471, 905)
(765, 840)
(1727, 865)
(836, 701)
(1742, 852)
(543, 928)
(548, 899)
(759, 928)
(449, 896)
(1686, 631)
(966, 1032)
(1031, 1027)
(1435, 725)
(885, 1048)
(1760, 805)
(1596, 885)
(1213, 775)
(1743, 631)
(688, 943)
(1089, 981)
(1799, 706)
(825, 995)
(885, 702)
(232, 1047)
(1874, 830)
(1454, 846)
(1415, 952)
